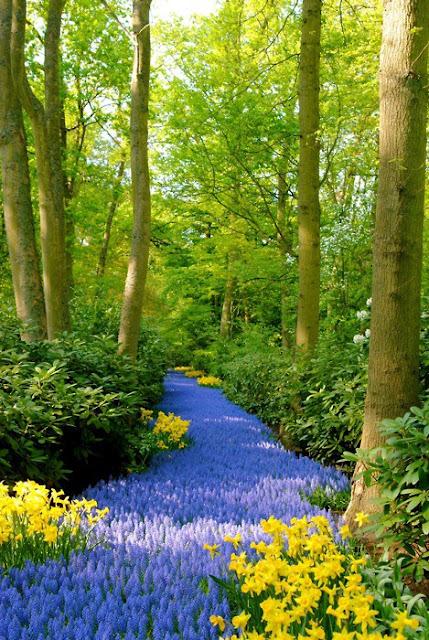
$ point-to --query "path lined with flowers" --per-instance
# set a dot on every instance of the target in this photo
(151, 581)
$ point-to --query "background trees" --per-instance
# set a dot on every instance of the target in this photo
(240, 146)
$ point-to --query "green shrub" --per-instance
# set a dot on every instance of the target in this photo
(385, 580)
(69, 409)
(316, 404)
(333, 387)
(328, 498)
(401, 470)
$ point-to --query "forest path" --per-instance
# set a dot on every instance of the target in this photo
(151, 582)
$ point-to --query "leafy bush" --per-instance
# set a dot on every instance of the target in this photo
(332, 402)
(316, 404)
(401, 470)
(328, 498)
(69, 409)
(385, 581)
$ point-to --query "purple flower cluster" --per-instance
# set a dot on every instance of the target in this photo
(150, 580)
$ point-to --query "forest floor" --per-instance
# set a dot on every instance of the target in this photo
(151, 579)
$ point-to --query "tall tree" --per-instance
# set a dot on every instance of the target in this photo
(393, 383)
(307, 329)
(284, 241)
(116, 193)
(18, 210)
(46, 124)
(132, 305)
(228, 300)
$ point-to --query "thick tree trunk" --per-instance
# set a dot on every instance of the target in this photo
(393, 383)
(18, 211)
(102, 260)
(228, 300)
(51, 212)
(132, 305)
(307, 329)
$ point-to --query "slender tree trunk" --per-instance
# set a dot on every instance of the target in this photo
(226, 315)
(51, 210)
(284, 249)
(18, 210)
(132, 305)
(393, 383)
(101, 266)
(54, 129)
(307, 329)
(71, 181)
(69, 191)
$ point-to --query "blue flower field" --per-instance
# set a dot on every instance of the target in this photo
(150, 578)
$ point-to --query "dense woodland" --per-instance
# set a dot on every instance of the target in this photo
(242, 193)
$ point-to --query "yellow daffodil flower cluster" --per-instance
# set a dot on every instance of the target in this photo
(37, 523)
(194, 373)
(303, 586)
(209, 381)
(182, 369)
(171, 430)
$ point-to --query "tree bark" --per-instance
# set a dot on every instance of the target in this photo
(393, 383)
(101, 266)
(132, 305)
(307, 329)
(71, 181)
(43, 122)
(226, 315)
(18, 210)
(284, 249)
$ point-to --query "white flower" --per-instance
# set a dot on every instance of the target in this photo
(368, 333)
(369, 302)
(362, 315)
(358, 338)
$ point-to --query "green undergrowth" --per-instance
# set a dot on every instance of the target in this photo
(314, 404)
(70, 409)
(327, 498)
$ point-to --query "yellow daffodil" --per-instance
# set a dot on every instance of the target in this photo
(402, 621)
(218, 621)
(343, 634)
(292, 577)
(213, 549)
(240, 621)
(234, 540)
(361, 518)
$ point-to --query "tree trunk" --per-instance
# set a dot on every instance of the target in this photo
(284, 249)
(71, 181)
(18, 210)
(129, 329)
(307, 329)
(68, 193)
(393, 383)
(226, 316)
(101, 266)
(43, 124)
